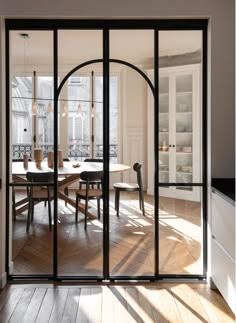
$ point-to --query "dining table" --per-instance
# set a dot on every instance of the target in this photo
(68, 174)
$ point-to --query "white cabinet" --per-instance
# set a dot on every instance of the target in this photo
(223, 248)
(179, 131)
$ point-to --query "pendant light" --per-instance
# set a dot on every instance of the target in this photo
(64, 110)
(34, 105)
(79, 112)
(50, 107)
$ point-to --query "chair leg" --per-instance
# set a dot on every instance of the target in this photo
(49, 215)
(86, 214)
(141, 200)
(29, 216)
(66, 191)
(98, 206)
(32, 211)
(45, 203)
(116, 193)
(117, 202)
(76, 208)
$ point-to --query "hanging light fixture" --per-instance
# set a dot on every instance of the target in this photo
(64, 110)
(50, 107)
(34, 104)
(34, 108)
(25, 36)
(79, 109)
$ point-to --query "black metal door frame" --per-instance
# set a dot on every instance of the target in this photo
(106, 25)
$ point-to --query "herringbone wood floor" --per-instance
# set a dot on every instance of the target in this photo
(131, 240)
(193, 303)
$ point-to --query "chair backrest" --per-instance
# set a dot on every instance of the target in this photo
(41, 191)
(20, 159)
(40, 177)
(91, 176)
(137, 168)
(93, 160)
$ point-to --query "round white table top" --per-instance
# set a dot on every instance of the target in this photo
(69, 167)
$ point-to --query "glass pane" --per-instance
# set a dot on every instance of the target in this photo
(131, 233)
(180, 213)
(113, 116)
(45, 114)
(31, 129)
(180, 107)
(80, 250)
(21, 115)
(79, 117)
(164, 166)
(180, 231)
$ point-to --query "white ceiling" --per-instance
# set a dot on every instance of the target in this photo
(81, 45)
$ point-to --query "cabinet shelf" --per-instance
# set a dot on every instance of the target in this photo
(184, 173)
(184, 93)
(184, 132)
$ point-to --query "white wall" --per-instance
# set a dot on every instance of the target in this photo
(134, 124)
(221, 87)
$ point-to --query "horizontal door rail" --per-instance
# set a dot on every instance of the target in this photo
(180, 184)
(32, 184)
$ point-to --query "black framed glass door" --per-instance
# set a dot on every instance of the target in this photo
(135, 112)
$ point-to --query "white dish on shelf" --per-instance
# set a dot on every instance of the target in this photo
(163, 129)
(186, 169)
(187, 149)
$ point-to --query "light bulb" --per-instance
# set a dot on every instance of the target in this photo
(49, 107)
(64, 111)
(34, 108)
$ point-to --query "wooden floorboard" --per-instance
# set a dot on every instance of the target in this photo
(174, 303)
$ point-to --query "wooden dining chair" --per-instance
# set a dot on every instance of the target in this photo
(98, 183)
(40, 193)
(130, 187)
(89, 193)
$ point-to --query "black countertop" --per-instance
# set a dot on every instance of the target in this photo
(225, 186)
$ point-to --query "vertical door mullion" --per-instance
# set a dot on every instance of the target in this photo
(106, 272)
(156, 155)
(172, 129)
(55, 111)
(204, 145)
(8, 135)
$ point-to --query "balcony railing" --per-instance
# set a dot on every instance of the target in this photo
(75, 151)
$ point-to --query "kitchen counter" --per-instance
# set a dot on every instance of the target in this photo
(225, 187)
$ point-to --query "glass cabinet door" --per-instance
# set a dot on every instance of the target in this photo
(184, 130)
(164, 158)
